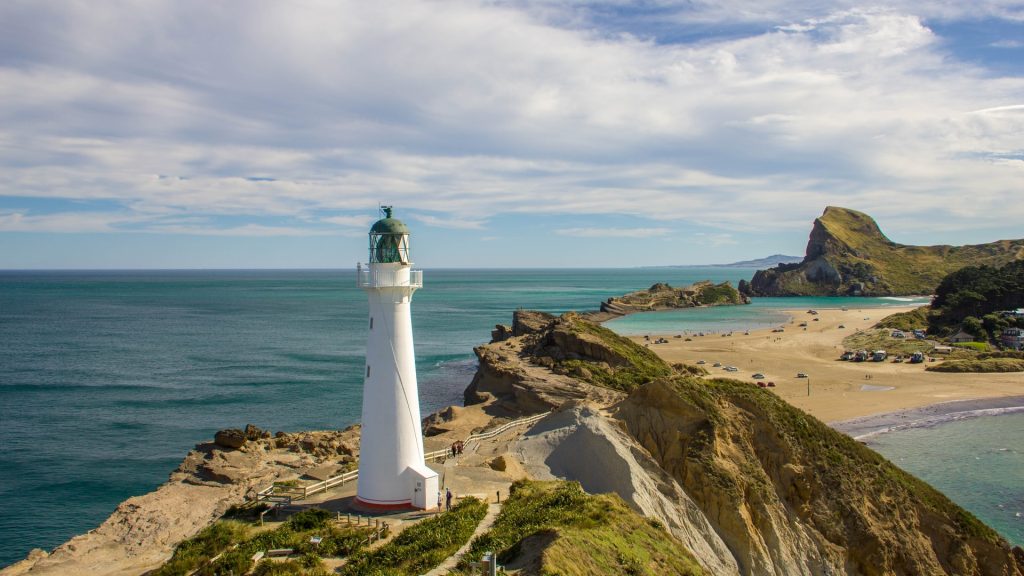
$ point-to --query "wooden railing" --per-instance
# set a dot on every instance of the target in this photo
(284, 495)
(505, 427)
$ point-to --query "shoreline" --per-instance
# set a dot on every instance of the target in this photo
(864, 427)
(834, 391)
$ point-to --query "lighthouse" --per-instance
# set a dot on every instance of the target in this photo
(392, 474)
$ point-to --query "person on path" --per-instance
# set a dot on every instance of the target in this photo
(438, 501)
(448, 499)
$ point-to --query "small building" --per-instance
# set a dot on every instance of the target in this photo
(1018, 313)
(961, 336)
(1012, 338)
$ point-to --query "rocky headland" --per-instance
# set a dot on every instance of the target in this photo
(848, 255)
(661, 296)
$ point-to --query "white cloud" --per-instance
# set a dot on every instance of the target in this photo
(456, 223)
(350, 221)
(313, 112)
(614, 232)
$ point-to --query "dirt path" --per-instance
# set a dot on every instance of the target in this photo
(485, 525)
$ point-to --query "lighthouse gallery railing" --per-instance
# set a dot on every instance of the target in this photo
(380, 277)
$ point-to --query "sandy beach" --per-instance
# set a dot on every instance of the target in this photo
(839, 391)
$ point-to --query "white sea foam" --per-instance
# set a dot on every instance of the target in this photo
(932, 421)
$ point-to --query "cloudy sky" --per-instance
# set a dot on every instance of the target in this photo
(198, 134)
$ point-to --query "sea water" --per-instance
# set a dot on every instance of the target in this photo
(977, 462)
(107, 379)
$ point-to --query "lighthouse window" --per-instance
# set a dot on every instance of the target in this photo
(367, 370)
(371, 322)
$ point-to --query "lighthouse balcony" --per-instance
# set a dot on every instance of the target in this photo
(383, 277)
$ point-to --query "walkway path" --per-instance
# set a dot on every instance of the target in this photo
(485, 525)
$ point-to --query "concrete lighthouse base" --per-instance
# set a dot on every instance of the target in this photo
(422, 483)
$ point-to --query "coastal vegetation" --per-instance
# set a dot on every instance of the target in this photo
(992, 365)
(662, 296)
(557, 528)
(421, 547)
(228, 546)
(599, 356)
(973, 297)
(847, 254)
(916, 319)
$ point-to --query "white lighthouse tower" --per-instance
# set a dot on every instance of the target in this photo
(392, 474)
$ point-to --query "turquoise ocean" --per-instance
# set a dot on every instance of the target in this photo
(108, 378)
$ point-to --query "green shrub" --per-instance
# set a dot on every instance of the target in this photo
(423, 546)
(976, 346)
(195, 551)
(272, 568)
(309, 519)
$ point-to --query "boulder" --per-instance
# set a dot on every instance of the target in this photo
(253, 432)
(230, 438)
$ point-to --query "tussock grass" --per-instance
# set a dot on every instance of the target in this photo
(420, 548)
(988, 365)
(580, 534)
(237, 543)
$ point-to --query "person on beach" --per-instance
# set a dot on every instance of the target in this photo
(448, 499)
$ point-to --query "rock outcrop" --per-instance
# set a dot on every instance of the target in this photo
(661, 296)
(142, 532)
(848, 255)
(543, 361)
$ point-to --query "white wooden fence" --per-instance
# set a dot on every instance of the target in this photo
(284, 495)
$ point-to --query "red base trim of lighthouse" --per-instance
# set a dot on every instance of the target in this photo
(364, 506)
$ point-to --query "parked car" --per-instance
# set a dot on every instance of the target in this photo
(762, 385)
(731, 369)
(771, 384)
(757, 376)
(701, 362)
(801, 375)
(716, 365)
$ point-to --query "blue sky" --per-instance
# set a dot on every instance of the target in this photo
(190, 134)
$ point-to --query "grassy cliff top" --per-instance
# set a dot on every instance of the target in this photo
(557, 528)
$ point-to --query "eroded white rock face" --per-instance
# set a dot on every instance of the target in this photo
(579, 443)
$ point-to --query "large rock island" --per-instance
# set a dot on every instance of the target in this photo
(848, 255)
(661, 296)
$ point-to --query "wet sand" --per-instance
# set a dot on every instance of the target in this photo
(838, 390)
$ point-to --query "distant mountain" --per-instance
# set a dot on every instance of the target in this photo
(766, 262)
(848, 255)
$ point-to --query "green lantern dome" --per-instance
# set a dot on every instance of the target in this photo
(389, 225)
(389, 240)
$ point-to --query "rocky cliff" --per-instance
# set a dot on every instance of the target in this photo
(847, 254)
(661, 296)
(142, 532)
(750, 484)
